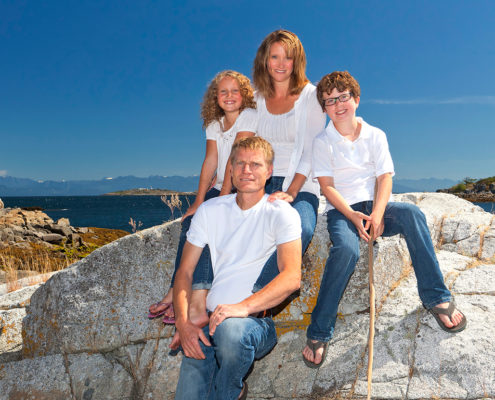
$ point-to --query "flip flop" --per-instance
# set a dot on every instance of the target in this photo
(161, 312)
(437, 311)
(244, 392)
(169, 320)
(314, 347)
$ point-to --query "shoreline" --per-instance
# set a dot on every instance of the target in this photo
(148, 192)
(484, 197)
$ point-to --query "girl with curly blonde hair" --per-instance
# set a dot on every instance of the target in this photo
(228, 112)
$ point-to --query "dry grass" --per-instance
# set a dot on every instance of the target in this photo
(42, 259)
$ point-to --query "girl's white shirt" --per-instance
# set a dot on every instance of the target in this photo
(309, 120)
(245, 122)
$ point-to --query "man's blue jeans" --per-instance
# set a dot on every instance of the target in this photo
(236, 343)
(400, 218)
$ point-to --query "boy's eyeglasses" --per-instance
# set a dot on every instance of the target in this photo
(333, 100)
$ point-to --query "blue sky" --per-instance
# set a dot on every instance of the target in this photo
(93, 89)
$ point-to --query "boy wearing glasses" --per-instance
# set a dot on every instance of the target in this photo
(348, 157)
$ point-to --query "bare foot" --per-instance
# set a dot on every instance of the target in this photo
(316, 357)
(456, 316)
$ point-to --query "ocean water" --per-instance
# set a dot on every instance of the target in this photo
(113, 212)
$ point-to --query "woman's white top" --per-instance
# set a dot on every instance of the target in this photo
(291, 134)
(245, 122)
(280, 131)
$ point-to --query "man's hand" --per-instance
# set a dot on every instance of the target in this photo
(357, 219)
(190, 335)
(224, 311)
(281, 196)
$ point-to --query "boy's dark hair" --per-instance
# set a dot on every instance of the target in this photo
(340, 80)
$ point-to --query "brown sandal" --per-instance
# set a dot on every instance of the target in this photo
(437, 311)
(314, 347)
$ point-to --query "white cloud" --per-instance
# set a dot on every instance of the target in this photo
(483, 100)
(3, 172)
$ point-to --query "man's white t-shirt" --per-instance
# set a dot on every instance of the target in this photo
(245, 122)
(240, 242)
(355, 165)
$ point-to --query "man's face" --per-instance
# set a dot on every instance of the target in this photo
(250, 171)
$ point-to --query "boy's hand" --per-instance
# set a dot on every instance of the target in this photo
(378, 224)
(358, 218)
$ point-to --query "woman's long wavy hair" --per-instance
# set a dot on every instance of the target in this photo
(294, 49)
(211, 111)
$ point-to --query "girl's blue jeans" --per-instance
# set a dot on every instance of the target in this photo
(306, 204)
(400, 218)
(203, 274)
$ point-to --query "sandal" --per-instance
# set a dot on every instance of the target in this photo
(169, 320)
(161, 312)
(437, 311)
(314, 347)
(244, 392)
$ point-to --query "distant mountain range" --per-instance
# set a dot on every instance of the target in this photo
(10, 186)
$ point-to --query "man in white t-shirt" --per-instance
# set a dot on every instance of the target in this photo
(348, 157)
(242, 230)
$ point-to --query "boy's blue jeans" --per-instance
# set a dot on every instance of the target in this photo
(306, 204)
(400, 218)
(235, 344)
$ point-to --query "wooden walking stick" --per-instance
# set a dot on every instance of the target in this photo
(371, 336)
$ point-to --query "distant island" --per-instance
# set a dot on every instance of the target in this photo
(474, 190)
(148, 192)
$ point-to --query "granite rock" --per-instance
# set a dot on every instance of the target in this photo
(87, 325)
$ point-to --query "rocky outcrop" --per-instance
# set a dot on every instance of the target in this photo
(1, 204)
(19, 227)
(85, 334)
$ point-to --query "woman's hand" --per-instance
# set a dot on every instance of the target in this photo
(190, 211)
(279, 195)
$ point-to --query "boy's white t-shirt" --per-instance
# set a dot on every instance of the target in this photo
(240, 242)
(245, 122)
(354, 166)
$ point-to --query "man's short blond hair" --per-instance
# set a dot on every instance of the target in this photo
(254, 143)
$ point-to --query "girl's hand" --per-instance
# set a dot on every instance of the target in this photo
(190, 211)
(357, 218)
(280, 196)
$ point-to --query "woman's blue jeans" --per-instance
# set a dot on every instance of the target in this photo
(203, 274)
(400, 218)
(236, 343)
(306, 204)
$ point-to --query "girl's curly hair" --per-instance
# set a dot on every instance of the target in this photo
(211, 111)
